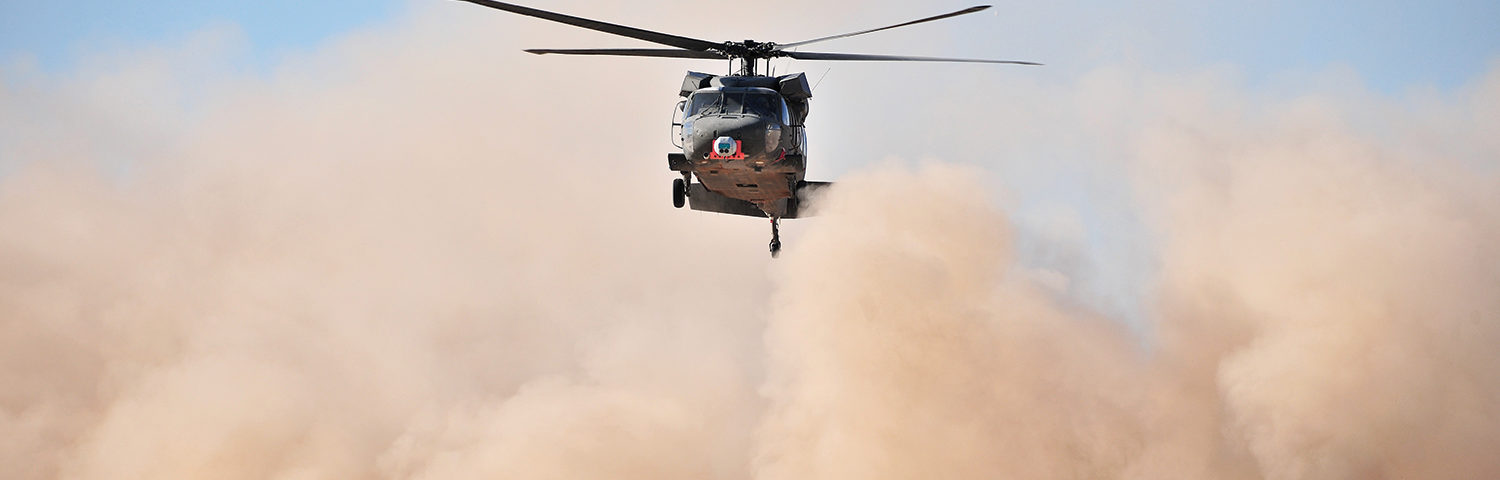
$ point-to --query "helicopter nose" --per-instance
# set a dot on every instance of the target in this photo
(719, 126)
(709, 130)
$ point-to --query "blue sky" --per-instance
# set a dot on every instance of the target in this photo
(56, 33)
(1394, 45)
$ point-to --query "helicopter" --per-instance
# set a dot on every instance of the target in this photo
(742, 135)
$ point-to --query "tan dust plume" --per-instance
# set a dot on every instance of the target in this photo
(388, 259)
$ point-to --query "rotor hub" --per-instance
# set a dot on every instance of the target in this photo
(751, 50)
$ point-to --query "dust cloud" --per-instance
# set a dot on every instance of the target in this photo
(391, 258)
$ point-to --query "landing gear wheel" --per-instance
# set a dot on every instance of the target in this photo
(679, 193)
(775, 248)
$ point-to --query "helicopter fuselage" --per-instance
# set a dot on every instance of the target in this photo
(755, 167)
(744, 140)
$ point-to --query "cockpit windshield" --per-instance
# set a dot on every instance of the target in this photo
(738, 102)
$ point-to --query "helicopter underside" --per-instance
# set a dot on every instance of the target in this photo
(760, 185)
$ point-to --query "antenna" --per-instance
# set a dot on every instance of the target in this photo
(820, 79)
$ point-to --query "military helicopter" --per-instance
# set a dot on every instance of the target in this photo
(742, 135)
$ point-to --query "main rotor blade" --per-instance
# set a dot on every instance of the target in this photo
(891, 58)
(632, 32)
(633, 52)
(965, 11)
